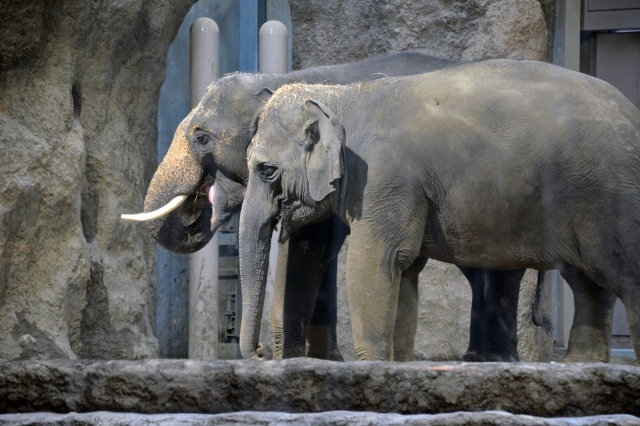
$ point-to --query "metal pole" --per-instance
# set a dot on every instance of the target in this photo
(273, 59)
(203, 265)
(273, 55)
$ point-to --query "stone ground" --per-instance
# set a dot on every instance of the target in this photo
(314, 392)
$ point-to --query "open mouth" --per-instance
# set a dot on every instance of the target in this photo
(194, 204)
(191, 206)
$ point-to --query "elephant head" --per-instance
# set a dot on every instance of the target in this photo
(201, 181)
(295, 164)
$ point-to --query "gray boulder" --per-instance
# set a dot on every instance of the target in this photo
(79, 85)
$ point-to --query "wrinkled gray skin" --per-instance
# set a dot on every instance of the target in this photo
(209, 148)
(420, 167)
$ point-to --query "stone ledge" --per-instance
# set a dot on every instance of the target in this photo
(306, 385)
(332, 418)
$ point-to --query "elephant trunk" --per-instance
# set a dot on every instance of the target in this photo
(256, 227)
(185, 226)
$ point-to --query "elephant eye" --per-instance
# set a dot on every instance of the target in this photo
(268, 172)
(201, 138)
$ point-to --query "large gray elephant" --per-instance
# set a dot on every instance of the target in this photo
(498, 164)
(201, 182)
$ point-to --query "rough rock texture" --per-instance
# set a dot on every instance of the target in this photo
(79, 84)
(331, 418)
(306, 385)
(336, 31)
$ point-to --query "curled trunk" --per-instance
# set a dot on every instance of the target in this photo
(187, 228)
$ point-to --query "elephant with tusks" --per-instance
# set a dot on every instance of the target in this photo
(201, 183)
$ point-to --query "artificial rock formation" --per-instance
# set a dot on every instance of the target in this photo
(79, 85)
(336, 31)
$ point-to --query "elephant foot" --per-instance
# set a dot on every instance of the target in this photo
(263, 353)
(585, 356)
(488, 357)
(322, 343)
(335, 355)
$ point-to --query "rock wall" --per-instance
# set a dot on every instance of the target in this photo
(79, 84)
(335, 31)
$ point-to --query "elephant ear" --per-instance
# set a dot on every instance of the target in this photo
(265, 94)
(326, 138)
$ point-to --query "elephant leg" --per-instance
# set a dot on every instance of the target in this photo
(305, 292)
(376, 258)
(478, 322)
(625, 285)
(590, 336)
(404, 333)
(322, 336)
(292, 300)
(631, 300)
(494, 314)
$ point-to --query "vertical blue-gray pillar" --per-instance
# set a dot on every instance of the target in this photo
(173, 269)
(251, 16)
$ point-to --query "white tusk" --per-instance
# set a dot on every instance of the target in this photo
(162, 211)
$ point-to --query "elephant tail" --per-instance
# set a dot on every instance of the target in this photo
(537, 315)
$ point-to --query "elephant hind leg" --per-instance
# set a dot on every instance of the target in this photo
(494, 314)
(630, 296)
(590, 337)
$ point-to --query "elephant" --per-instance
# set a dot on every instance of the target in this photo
(499, 164)
(201, 182)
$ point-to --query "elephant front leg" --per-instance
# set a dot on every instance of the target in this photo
(304, 307)
(373, 282)
(295, 290)
(322, 336)
(404, 334)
